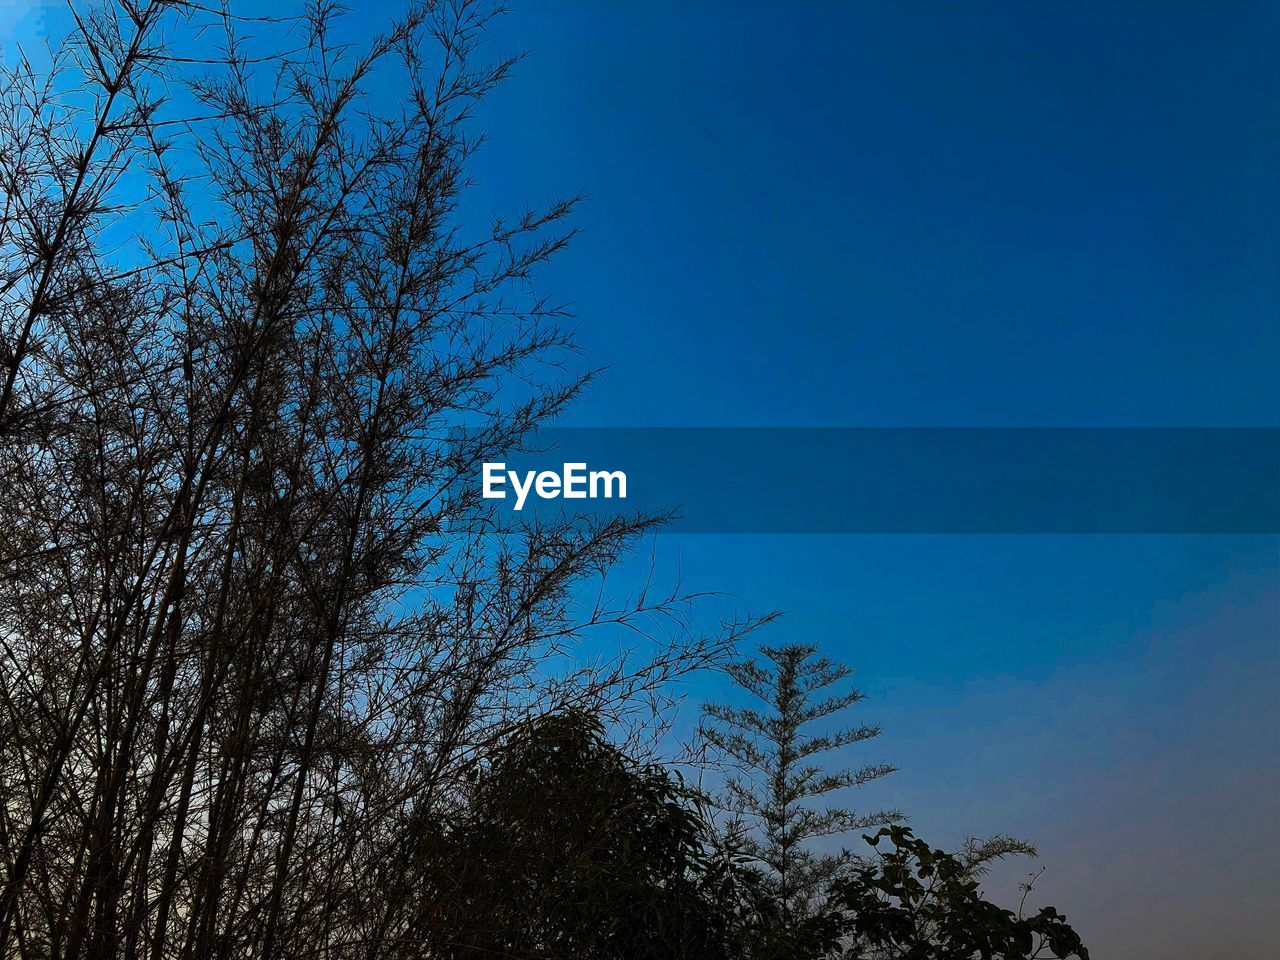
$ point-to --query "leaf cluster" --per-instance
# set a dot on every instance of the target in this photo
(915, 902)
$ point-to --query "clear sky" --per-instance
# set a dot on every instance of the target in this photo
(958, 214)
(961, 214)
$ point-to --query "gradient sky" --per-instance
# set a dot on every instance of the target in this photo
(958, 214)
(946, 214)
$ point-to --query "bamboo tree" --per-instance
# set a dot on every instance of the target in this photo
(251, 628)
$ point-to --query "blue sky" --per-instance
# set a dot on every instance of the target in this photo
(907, 213)
(942, 214)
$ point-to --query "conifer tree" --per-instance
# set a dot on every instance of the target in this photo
(777, 796)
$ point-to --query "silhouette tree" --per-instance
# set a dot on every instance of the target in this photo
(778, 750)
(914, 902)
(251, 626)
(567, 848)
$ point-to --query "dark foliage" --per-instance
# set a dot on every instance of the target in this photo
(913, 902)
(568, 849)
